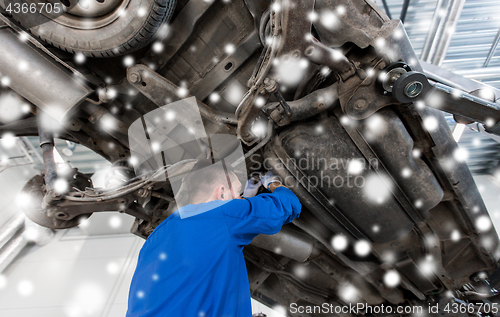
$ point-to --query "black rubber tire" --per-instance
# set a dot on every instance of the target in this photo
(128, 33)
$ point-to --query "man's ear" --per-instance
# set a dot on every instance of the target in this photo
(220, 192)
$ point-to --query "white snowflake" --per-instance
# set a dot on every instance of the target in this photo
(260, 101)
(234, 93)
(345, 120)
(24, 200)
(406, 172)
(61, 186)
(489, 122)
(276, 7)
(133, 161)
(5, 81)
(259, 128)
(483, 223)
(170, 115)
(461, 154)
(155, 146)
(3, 281)
(111, 93)
(431, 123)
(339, 242)
(427, 266)
(348, 293)
(328, 19)
(420, 104)
(375, 228)
(355, 167)
(229, 48)
(23, 36)
(419, 203)
(290, 72)
(300, 271)
(164, 31)
(112, 268)
(341, 10)
(416, 153)
(313, 16)
(115, 222)
(23, 65)
(128, 61)
(80, 58)
(380, 43)
(388, 256)
(84, 223)
(455, 235)
(362, 248)
(398, 34)
(214, 97)
(142, 11)
(12, 107)
(157, 47)
(378, 188)
(337, 55)
(182, 91)
(8, 140)
(476, 142)
(162, 256)
(376, 126)
(31, 234)
(108, 123)
(392, 278)
(25, 287)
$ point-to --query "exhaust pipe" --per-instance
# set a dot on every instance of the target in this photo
(288, 242)
(39, 78)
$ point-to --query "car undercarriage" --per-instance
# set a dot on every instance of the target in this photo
(328, 94)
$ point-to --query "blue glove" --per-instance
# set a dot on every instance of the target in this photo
(251, 188)
(269, 178)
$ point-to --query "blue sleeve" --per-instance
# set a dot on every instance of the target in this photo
(262, 214)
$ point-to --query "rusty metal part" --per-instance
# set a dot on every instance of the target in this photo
(361, 97)
(40, 79)
(47, 145)
(304, 108)
(358, 22)
(288, 242)
(58, 211)
(161, 91)
(42, 48)
(459, 102)
(296, 40)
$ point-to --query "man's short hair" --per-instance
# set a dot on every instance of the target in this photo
(205, 176)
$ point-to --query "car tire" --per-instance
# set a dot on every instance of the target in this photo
(124, 31)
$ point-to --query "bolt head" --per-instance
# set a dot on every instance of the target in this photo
(134, 78)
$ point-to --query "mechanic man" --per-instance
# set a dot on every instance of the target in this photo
(192, 265)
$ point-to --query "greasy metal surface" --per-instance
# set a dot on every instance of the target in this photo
(288, 242)
(455, 101)
(360, 23)
(38, 78)
(159, 90)
(304, 108)
(295, 41)
(356, 215)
